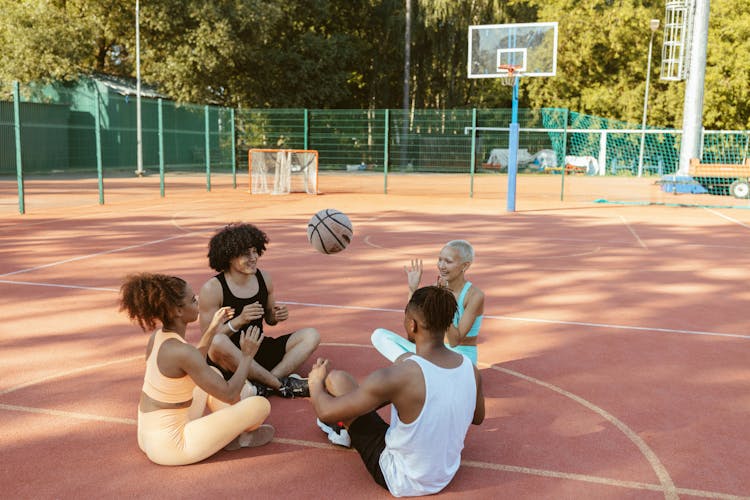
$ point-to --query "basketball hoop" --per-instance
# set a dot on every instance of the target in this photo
(507, 74)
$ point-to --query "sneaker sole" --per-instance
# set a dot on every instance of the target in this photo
(259, 437)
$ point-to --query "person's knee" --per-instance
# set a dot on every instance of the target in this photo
(339, 382)
(263, 405)
(221, 350)
(377, 334)
(310, 337)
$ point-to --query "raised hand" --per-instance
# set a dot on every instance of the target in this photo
(414, 274)
(222, 315)
(319, 371)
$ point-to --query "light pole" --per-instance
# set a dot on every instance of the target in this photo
(138, 127)
(654, 25)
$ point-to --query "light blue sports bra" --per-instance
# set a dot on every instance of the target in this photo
(474, 330)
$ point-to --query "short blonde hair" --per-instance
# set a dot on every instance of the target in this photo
(464, 248)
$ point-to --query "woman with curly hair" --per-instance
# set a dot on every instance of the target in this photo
(178, 384)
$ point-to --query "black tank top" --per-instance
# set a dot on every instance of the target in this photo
(238, 303)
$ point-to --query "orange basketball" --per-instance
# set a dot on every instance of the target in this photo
(330, 231)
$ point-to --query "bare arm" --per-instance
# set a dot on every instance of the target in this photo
(474, 308)
(274, 313)
(378, 389)
(193, 363)
(220, 317)
(209, 302)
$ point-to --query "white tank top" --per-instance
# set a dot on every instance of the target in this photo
(422, 457)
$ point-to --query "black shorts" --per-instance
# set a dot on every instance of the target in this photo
(368, 438)
(270, 353)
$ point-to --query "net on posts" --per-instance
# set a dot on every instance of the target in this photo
(283, 171)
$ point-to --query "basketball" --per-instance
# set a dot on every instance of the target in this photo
(329, 231)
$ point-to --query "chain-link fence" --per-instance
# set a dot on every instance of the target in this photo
(91, 129)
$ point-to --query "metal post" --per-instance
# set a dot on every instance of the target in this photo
(234, 152)
(513, 150)
(386, 138)
(654, 25)
(161, 147)
(306, 130)
(19, 161)
(692, 121)
(208, 148)
(407, 77)
(564, 154)
(138, 118)
(473, 150)
(98, 140)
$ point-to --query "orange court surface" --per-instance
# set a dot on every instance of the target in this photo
(614, 349)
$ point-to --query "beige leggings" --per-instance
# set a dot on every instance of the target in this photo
(185, 436)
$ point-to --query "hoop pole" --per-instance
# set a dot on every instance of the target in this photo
(513, 150)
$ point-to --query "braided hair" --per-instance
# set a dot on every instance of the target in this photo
(149, 298)
(436, 305)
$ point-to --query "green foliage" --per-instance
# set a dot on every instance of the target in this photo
(350, 53)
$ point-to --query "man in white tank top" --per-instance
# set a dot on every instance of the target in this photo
(435, 392)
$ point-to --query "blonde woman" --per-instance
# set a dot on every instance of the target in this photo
(461, 336)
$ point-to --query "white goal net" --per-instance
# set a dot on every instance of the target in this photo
(283, 171)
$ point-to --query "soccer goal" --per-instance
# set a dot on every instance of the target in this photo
(283, 171)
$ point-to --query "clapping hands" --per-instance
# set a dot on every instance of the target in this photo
(250, 341)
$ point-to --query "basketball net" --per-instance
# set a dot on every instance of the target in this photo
(508, 73)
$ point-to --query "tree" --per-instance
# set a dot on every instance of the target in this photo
(350, 53)
(58, 40)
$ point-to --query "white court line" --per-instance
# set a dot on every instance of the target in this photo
(726, 217)
(632, 231)
(68, 414)
(620, 327)
(68, 372)
(670, 493)
(488, 316)
(465, 463)
(536, 320)
(83, 257)
(596, 479)
(667, 484)
(56, 285)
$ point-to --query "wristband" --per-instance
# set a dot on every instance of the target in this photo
(229, 324)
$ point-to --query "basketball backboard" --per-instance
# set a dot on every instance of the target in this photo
(531, 47)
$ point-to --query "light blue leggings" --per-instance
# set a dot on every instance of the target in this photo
(392, 345)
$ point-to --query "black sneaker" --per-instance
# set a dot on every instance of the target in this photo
(294, 386)
(262, 390)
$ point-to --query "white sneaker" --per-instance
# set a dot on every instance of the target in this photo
(339, 436)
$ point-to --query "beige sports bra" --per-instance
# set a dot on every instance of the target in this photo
(161, 388)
